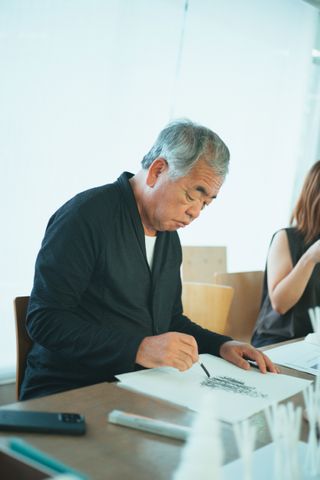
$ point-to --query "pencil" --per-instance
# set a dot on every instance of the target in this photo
(204, 369)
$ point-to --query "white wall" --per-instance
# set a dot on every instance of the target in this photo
(86, 86)
(254, 78)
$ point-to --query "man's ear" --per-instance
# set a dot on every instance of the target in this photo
(157, 167)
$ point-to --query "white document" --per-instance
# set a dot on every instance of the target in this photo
(303, 356)
(240, 393)
(263, 465)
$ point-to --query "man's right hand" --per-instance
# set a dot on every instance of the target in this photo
(172, 349)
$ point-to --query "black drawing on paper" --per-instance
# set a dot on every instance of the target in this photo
(232, 385)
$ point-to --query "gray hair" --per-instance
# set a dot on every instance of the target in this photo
(182, 142)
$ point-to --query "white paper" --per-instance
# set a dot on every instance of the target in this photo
(263, 464)
(303, 356)
(250, 391)
(313, 338)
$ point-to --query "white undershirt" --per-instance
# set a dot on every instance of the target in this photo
(150, 243)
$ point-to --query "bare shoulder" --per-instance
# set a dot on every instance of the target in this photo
(279, 258)
(280, 242)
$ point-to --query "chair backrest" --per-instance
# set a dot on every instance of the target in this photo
(246, 301)
(207, 304)
(200, 263)
(23, 341)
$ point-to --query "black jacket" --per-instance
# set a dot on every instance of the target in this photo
(94, 297)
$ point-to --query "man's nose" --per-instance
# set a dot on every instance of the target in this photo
(194, 211)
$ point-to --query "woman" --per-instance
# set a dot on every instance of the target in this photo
(292, 277)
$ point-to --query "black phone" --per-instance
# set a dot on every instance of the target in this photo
(42, 422)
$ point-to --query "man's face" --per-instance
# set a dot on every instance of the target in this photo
(176, 203)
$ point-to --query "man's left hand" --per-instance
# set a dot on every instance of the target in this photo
(237, 353)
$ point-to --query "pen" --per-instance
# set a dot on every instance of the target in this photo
(204, 369)
(252, 363)
(150, 425)
(25, 449)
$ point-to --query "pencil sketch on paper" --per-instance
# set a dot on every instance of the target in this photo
(232, 385)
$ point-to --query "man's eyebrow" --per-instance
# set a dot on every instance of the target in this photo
(204, 191)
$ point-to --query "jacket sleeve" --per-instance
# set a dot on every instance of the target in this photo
(208, 342)
(64, 266)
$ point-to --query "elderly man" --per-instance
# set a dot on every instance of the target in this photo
(107, 289)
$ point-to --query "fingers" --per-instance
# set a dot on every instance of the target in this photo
(189, 345)
(184, 343)
(271, 367)
(233, 356)
(258, 357)
(182, 362)
(238, 353)
(184, 351)
(172, 349)
(263, 361)
(189, 350)
(230, 351)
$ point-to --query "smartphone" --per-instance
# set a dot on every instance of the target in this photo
(42, 422)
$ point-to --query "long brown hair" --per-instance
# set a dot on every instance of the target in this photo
(306, 213)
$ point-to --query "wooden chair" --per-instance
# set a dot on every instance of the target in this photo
(200, 263)
(207, 304)
(246, 302)
(23, 341)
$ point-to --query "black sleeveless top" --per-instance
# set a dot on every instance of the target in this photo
(271, 327)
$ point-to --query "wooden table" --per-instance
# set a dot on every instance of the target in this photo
(113, 452)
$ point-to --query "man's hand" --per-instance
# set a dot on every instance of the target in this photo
(170, 349)
(238, 352)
